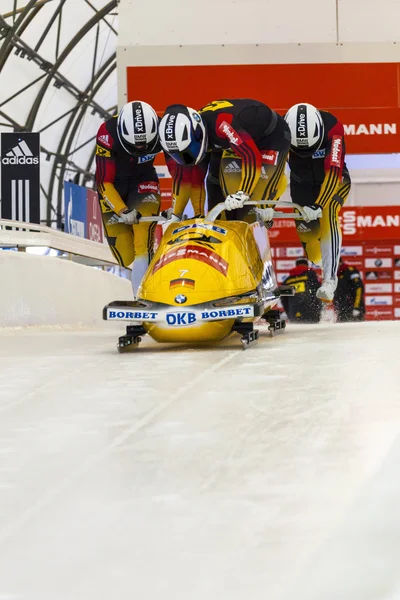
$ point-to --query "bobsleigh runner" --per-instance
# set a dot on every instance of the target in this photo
(208, 279)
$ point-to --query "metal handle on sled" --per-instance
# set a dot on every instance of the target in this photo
(219, 208)
(151, 219)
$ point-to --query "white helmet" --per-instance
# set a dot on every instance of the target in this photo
(183, 134)
(306, 128)
(137, 128)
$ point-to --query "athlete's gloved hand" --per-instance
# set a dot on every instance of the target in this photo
(130, 216)
(356, 313)
(170, 217)
(167, 213)
(237, 200)
(265, 214)
(312, 212)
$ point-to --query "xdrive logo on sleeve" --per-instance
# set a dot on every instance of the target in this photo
(20, 155)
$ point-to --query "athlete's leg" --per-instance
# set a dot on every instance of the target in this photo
(331, 239)
(230, 178)
(309, 233)
(146, 199)
(331, 234)
(214, 192)
(213, 187)
(119, 235)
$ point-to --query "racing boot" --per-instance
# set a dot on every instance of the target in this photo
(327, 290)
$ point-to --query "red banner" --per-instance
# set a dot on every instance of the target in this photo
(371, 243)
(369, 109)
(361, 223)
(94, 223)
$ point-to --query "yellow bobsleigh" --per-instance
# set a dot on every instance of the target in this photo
(208, 279)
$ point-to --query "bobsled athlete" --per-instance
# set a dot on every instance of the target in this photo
(320, 183)
(304, 306)
(236, 148)
(349, 295)
(127, 184)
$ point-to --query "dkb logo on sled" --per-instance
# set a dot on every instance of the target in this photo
(181, 318)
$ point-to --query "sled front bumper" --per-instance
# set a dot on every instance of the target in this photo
(170, 316)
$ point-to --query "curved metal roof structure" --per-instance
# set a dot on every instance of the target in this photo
(58, 77)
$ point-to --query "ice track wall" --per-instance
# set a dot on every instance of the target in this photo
(38, 290)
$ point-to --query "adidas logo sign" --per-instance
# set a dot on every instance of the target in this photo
(303, 228)
(20, 155)
(233, 167)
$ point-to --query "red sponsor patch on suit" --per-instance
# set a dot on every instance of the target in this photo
(149, 187)
(105, 140)
(103, 137)
(199, 253)
(228, 132)
(336, 151)
(270, 157)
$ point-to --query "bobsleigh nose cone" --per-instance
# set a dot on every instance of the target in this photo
(180, 299)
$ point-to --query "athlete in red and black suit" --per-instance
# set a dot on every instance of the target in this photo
(127, 184)
(349, 300)
(320, 182)
(241, 142)
(304, 306)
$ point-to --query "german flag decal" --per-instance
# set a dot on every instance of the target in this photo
(187, 283)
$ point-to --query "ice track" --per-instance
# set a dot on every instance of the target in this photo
(207, 473)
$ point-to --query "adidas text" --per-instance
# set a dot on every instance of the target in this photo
(21, 160)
